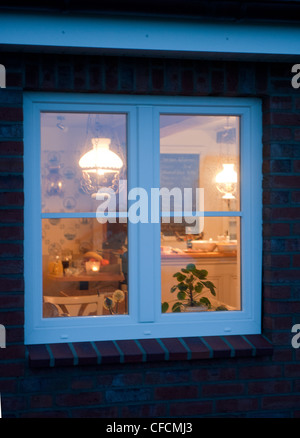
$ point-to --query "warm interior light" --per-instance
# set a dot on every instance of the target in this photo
(100, 159)
(226, 181)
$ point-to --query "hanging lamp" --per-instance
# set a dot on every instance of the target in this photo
(226, 181)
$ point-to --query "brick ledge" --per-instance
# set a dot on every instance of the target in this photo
(147, 350)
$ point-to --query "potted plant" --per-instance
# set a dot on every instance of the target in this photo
(191, 282)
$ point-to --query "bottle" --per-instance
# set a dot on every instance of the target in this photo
(58, 267)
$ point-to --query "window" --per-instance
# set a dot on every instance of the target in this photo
(142, 217)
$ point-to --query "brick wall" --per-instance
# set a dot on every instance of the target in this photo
(259, 386)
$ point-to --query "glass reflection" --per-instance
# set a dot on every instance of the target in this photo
(80, 153)
(201, 272)
(84, 267)
(193, 152)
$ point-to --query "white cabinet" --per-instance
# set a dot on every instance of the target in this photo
(223, 271)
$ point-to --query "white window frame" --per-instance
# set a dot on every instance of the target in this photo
(145, 319)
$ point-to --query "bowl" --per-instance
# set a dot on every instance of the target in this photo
(203, 245)
(230, 246)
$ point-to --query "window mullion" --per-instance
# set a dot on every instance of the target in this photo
(146, 230)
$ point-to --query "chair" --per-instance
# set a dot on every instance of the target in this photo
(82, 305)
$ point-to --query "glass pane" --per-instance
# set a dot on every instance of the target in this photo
(84, 267)
(206, 266)
(80, 154)
(201, 152)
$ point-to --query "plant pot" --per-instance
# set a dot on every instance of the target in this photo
(195, 308)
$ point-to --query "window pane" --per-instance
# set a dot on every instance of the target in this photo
(81, 153)
(210, 262)
(201, 152)
(84, 267)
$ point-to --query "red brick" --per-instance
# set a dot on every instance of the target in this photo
(11, 284)
(12, 164)
(11, 182)
(280, 276)
(108, 352)
(236, 405)
(188, 409)
(290, 401)
(277, 260)
(187, 81)
(224, 389)
(101, 412)
(11, 199)
(286, 119)
(145, 411)
(214, 374)
(218, 346)
(296, 197)
(85, 353)
(96, 78)
(258, 371)
(79, 399)
(10, 250)
(175, 348)
(12, 216)
(197, 348)
(8, 300)
(11, 233)
(39, 401)
(48, 76)
(157, 79)
(217, 82)
(153, 349)
(285, 181)
(296, 261)
(286, 213)
(240, 345)
(176, 392)
(131, 351)
(277, 229)
(111, 75)
(11, 267)
(11, 114)
(62, 354)
(13, 148)
(281, 102)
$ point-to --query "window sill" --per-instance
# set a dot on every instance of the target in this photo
(147, 350)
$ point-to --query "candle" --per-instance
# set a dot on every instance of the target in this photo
(92, 266)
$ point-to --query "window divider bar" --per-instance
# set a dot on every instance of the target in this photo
(201, 214)
(121, 214)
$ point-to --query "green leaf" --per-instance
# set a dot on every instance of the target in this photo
(173, 288)
(222, 307)
(182, 286)
(185, 271)
(176, 307)
(210, 286)
(190, 267)
(181, 295)
(181, 277)
(201, 274)
(164, 307)
(199, 287)
(205, 301)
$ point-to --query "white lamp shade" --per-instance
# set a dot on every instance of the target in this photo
(228, 175)
(100, 159)
(226, 181)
